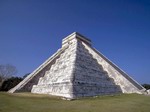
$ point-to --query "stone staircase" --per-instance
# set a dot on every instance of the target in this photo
(58, 79)
(126, 83)
(90, 77)
(24, 85)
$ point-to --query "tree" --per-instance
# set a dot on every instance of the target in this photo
(10, 83)
(6, 71)
(26, 75)
(146, 86)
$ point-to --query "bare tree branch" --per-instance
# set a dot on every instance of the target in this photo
(7, 71)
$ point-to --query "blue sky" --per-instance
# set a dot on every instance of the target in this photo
(32, 30)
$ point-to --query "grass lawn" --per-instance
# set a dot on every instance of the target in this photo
(27, 102)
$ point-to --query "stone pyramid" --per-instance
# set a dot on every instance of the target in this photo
(78, 70)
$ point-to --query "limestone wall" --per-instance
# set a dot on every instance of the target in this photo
(125, 82)
(90, 78)
(58, 79)
(32, 79)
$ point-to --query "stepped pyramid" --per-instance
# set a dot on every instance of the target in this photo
(78, 70)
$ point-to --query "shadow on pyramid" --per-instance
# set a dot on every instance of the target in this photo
(78, 70)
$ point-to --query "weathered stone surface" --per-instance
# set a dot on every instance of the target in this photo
(126, 83)
(148, 91)
(78, 70)
(33, 78)
(58, 79)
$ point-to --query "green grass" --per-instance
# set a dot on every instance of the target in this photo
(27, 102)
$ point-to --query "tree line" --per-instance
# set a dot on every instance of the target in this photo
(8, 78)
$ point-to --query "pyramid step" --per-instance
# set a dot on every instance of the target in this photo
(55, 88)
(88, 90)
(47, 73)
(40, 80)
(101, 84)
